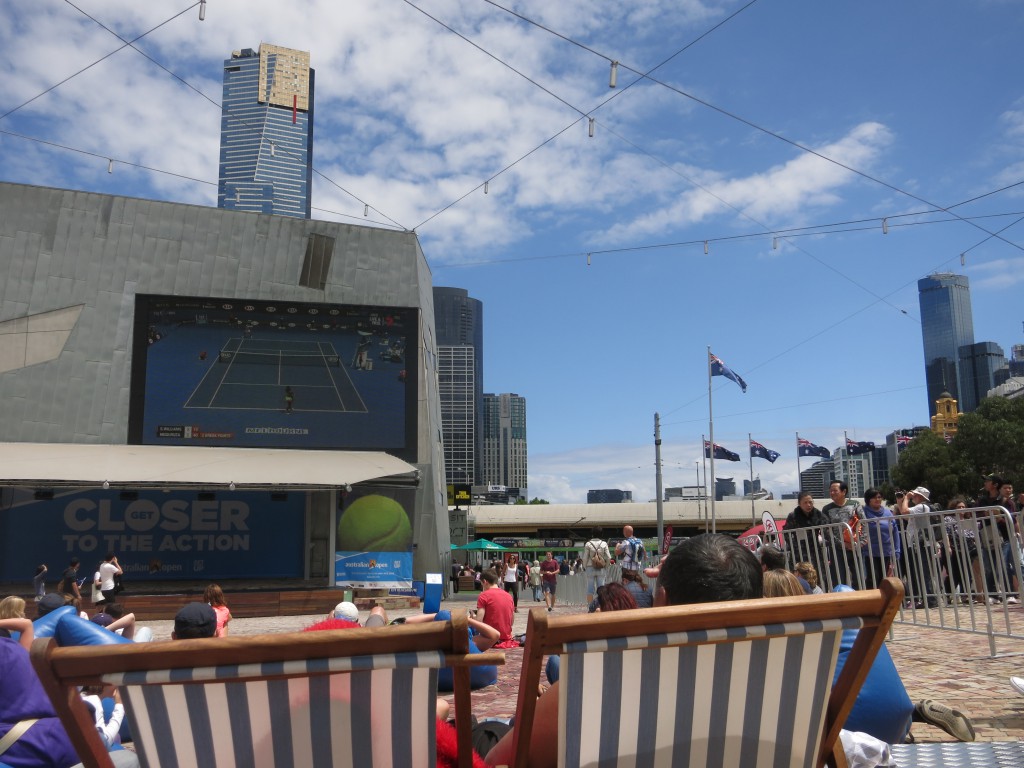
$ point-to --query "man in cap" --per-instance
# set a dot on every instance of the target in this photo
(919, 545)
(194, 620)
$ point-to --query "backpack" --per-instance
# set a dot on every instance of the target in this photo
(597, 560)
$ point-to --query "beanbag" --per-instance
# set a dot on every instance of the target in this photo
(882, 708)
(74, 630)
(45, 626)
(479, 677)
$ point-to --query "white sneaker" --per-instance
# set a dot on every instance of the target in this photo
(1013, 600)
(1018, 684)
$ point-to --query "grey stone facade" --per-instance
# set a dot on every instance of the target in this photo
(72, 262)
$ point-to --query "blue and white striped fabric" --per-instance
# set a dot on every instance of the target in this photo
(380, 714)
(731, 697)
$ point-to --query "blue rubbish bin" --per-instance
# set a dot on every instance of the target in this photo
(432, 589)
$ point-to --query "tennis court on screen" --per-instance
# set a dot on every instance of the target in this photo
(252, 374)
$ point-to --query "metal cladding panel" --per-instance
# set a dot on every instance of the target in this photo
(60, 248)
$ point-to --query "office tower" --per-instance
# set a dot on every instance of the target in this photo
(459, 325)
(724, 486)
(946, 325)
(504, 430)
(856, 470)
(609, 496)
(266, 132)
(817, 479)
(979, 364)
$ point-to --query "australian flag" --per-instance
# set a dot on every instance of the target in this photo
(720, 452)
(854, 448)
(807, 448)
(758, 451)
(718, 368)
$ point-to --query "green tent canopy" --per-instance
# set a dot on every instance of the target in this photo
(481, 545)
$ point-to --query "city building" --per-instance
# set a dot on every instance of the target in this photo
(724, 487)
(946, 325)
(856, 470)
(504, 429)
(609, 496)
(751, 487)
(459, 326)
(946, 417)
(897, 440)
(142, 347)
(980, 365)
(817, 478)
(266, 132)
(685, 493)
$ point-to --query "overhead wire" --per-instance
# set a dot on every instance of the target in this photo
(583, 113)
(745, 121)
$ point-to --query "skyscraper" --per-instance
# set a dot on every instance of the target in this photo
(978, 366)
(946, 325)
(504, 428)
(459, 325)
(266, 132)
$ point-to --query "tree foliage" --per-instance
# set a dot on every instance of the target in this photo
(991, 439)
(930, 462)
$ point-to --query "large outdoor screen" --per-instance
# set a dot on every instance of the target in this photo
(274, 374)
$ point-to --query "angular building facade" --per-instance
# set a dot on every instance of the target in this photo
(266, 132)
(979, 365)
(504, 428)
(459, 325)
(139, 328)
(947, 324)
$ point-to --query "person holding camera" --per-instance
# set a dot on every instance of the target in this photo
(109, 569)
(921, 560)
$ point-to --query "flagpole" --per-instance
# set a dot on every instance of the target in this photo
(799, 478)
(704, 460)
(658, 481)
(846, 460)
(711, 430)
(700, 488)
(750, 439)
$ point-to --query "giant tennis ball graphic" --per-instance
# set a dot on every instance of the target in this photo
(375, 523)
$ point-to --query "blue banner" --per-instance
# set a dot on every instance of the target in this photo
(155, 535)
(375, 539)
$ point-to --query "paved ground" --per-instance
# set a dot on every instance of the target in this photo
(952, 667)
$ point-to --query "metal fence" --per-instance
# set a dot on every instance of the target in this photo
(961, 568)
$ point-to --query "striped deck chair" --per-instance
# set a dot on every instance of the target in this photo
(356, 697)
(745, 683)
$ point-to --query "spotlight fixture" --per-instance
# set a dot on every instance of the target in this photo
(885, 226)
(202, 10)
(613, 76)
(110, 166)
(231, 486)
(486, 184)
(775, 243)
(106, 484)
(590, 129)
(366, 210)
(707, 250)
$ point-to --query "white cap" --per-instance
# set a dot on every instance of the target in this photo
(347, 611)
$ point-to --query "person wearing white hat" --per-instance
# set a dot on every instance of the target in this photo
(918, 546)
(345, 610)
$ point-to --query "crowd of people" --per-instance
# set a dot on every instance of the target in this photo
(963, 552)
(706, 568)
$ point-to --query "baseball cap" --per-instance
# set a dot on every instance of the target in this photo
(346, 610)
(103, 619)
(50, 602)
(195, 620)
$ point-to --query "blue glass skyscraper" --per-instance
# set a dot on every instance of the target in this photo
(266, 132)
(946, 325)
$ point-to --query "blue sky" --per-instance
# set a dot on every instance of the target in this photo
(923, 100)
